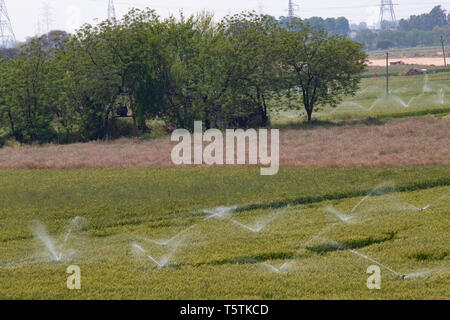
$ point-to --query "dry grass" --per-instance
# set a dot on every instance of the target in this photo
(393, 143)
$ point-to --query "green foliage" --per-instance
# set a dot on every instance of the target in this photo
(422, 30)
(426, 22)
(323, 68)
(287, 109)
(66, 88)
(332, 25)
(25, 94)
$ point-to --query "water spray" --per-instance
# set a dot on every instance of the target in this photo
(376, 262)
(160, 264)
(171, 240)
(371, 193)
(426, 87)
(40, 232)
(261, 224)
(275, 269)
(421, 274)
(219, 212)
(341, 216)
(428, 206)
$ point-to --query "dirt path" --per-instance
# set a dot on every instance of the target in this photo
(421, 61)
(395, 143)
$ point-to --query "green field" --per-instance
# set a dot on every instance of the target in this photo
(409, 96)
(219, 258)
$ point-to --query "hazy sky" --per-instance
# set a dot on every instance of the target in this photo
(70, 14)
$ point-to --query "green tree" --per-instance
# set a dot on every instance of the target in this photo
(91, 82)
(112, 66)
(322, 67)
(25, 91)
(192, 79)
(425, 22)
(253, 63)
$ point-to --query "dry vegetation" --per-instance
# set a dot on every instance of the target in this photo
(393, 143)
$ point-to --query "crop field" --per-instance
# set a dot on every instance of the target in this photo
(197, 156)
(225, 233)
(367, 183)
(409, 96)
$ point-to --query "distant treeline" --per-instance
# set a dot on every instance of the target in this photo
(114, 78)
(332, 25)
(419, 30)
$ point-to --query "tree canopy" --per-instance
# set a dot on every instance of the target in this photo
(115, 78)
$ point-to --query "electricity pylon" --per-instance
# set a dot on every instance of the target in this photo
(260, 7)
(111, 10)
(7, 36)
(388, 21)
(291, 10)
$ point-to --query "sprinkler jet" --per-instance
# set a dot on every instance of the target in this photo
(160, 264)
(255, 229)
(425, 208)
(277, 270)
(261, 224)
(168, 242)
(433, 202)
(421, 274)
(219, 212)
(341, 216)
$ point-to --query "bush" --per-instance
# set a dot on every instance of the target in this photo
(121, 129)
(2, 141)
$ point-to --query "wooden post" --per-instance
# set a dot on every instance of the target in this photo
(387, 73)
(443, 50)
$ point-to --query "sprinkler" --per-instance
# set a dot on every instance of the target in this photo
(341, 216)
(219, 212)
(162, 263)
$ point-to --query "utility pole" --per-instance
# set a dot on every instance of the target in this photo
(443, 50)
(7, 36)
(387, 74)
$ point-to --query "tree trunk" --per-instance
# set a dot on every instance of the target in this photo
(135, 130)
(309, 111)
(265, 116)
(11, 122)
